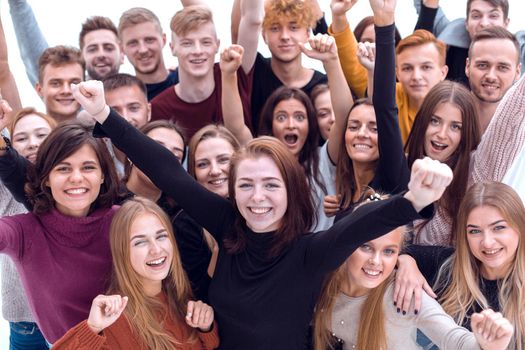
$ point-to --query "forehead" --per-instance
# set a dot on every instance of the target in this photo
(258, 168)
(213, 146)
(167, 136)
(145, 224)
(125, 95)
(394, 237)
(100, 36)
(69, 71)
(83, 154)
(419, 54)
(141, 30)
(448, 111)
(485, 213)
(483, 6)
(495, 50)
(30, 122)
(204, 30)
(291, 104)
(363, 114)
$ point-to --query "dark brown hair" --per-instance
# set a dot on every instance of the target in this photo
(498, 33)
(119, 80)
(58, 56)
(459, 161)
(369, 21)
(309, 154)
(298, 217)
(67, 138)
(96, 23)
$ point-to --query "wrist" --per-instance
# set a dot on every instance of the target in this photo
(412, 199)
(206, 330)
(94, 328)
(433, 4)
(339, 23)
(102, 114)
(384, 19)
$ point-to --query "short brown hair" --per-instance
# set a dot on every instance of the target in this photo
(190, 18)
(299, 215)
(27, 111)
(502, 4)
(301, 11)
(137, 15)
(67, 138)
(57, 56)
(95, 23)
(119, 80)
(495, 32)
(421, 37)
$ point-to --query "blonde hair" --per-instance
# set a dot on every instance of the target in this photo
(300, 11)
(190, 18)
(142, 310)
(371, 333)
(460, 276)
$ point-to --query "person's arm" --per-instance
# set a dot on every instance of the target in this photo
(355, 74)
(427, 15)
(231, 104)
(392, 173)
(503, 139)
(329, 249)
(207, 208)
(8, 89)
(252, 13)
(323, 48)
(31, 41)
(440, 20)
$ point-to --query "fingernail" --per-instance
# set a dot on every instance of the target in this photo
(395, 303)
(404, 312)
(398, 310)
(415, 312)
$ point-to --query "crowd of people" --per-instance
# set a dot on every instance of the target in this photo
(255, 202)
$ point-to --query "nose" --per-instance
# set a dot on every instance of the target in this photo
(484, 22)
(65, 88)
(491, 73)
(154, 248)
(142, 46)
(215, 170)
(285, 33)
(32, 142)
(258, 194)
(488, 240)
(290, 123)
(375, 258)
(362, 131)
(75, 176)
(442, 132)
(416, 73)
(197, 48)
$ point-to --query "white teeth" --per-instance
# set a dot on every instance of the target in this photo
(372, 272)
(76, 191)
(260, 210)
(198, 61)
(491, 251)
(156, 262)
(218, 181)
(362, 146)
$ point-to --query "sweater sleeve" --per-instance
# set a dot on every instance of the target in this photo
(392, 173)
(210, 340)
(437, 325)
(355, 74)
(429, 259)
(30, 39)
(426, 18)
(13, 169)
(328, 249)
(81, 337)
(209, 209)
(503, 138)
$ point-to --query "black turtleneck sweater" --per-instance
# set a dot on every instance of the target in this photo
(259, 302)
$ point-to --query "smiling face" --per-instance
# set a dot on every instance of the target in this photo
(28, 134)
(492, 241)
(55, 90)
(151, 252)
(260, 193)
(290, 124)
(142, 43)
(443, 133)
(101, 52)
(324, 113)
(492, 68)
(131, 103)
(196, 50)
(361, 135)
(373, 262)
(483, 14)
(75, 182)
(282, 38)
(419, 69)
(212, 164)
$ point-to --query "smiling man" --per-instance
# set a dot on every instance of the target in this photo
(492, 68)
(58, 68)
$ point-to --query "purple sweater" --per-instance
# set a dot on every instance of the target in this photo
(64, 263)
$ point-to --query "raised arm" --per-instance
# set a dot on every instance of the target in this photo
(31, 41)
(503, 139)
(431, 16)
(8, 89)
(251, 16)
(209, 209)
(355, 74)
(323, 48)
(329, 249)
(392, 173)
(232, 111)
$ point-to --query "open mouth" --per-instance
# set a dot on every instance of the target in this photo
(362, 146)
(156, 263)
(490, 87)
(259, 210)
(218, 182)
(438, 146)
(491, 252)
(291, 139)
(198, 61)
(76, 191)
(371, 273)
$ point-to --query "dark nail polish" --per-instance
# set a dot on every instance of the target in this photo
(395, 303)
(415, 312)
(404, 312)
(398, 310)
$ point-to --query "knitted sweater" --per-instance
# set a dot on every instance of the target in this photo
(64, 262)
(120, 336)
(15, 307)
(499, 146)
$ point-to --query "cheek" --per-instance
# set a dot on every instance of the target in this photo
(200, 175)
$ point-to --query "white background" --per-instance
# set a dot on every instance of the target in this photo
(60, 21)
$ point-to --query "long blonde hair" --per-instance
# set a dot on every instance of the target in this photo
(460, 276)
(142, 311)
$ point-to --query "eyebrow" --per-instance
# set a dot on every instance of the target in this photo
(270, 178)
(143, 235)
(26, 132)
(218, 155)
(492, 224)
(86, 162)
